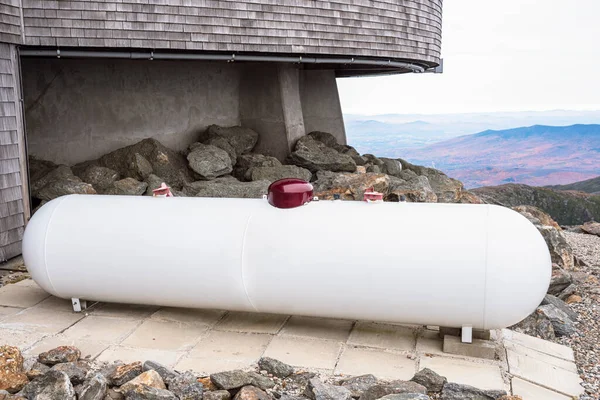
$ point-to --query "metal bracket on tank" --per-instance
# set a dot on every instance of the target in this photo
(467, 334)
(78, 304)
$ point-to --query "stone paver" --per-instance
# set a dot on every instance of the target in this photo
(189, 316)
(6, 312)
(324, 328)
(21, 295)
(305, 352)
(251, 322)
(21, 339)
(165, 335)
(545, 374)
(88, 348)
(56, 304)
(132, 311)
(543, 346)
(430, 343)
(129, 354)
(382, 364)
(102, 329)
(529, 391)
(221, 350)
(477, 348)
(475, 373)
(41, 320)
(383, 336)
(515, 352)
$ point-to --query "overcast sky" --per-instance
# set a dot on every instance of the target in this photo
(508, 55)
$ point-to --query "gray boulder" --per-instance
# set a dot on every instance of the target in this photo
(241, 139)
(559, 282)
(229, 380)
(127, 187)
(591, 228)
(324, 137)
(94, 388)
(348, 186)
(209, 161)
(167, 163)
(223, 144)
(165, 373)
(275, 367)
(396, 387)
(186, 387)
(316, 156)
(350, 151)
(536, 324)
(358, 384)
(273, 174)
(101, 178)
(562, 324)
(406, 396)
(246, 162)
(391, 166)
(561, 305)
(217, 395)
(60, 354)
(39, 168)
(447, 190)
(59, 182)
(51, 385)
(145, 392)
(229, 188)
(317, 390)
(411, 187)
(139, 167)
(251, 393)
(430, 379)
(454, 391)
(76, 370)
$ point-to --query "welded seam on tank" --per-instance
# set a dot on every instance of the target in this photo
(485, 280)
(242, 274)
(46, 240)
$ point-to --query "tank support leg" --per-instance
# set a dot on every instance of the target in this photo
(467, 334)
(78, 304)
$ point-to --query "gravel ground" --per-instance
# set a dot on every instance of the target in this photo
(586, 342)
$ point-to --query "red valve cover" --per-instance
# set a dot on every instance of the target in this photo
(290, 193)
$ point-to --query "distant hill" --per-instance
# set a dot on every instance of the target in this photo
(588, 186)
(566, 208)
(538, 155)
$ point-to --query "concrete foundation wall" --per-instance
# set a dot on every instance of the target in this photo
(78, 110)
(321, 104)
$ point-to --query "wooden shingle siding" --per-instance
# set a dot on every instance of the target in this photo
(10, 21)
(12, 219)
(401, 29)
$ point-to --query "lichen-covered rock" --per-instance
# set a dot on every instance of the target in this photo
(59, 182)
(149, 378)
(139, 167)
(406, 396)
(145, 392)
(396, 387)
(561, 305)
(446, 189)
(246, 162)
(261, 382)
(101, 178)
(94, 388)
(223, 144)
(316, 156)
(52, 385)
(351, 151)
(36, 369)
(61, 354)
(561, 280)
(454, 391)
(430, 379)
(317, 390)
(125, 372)
(536, 324)
(230, 188)
(560, 250)
(166, 163)
(562, 324)
(591, 228)
(209, 162)
(467, 197)
(76, 370)
(251, 393)
(275, 367)
(241, 139)
(410, 187)
(186, 387)
(273, 174)
(324, 137)
(217, 395)
(348, 186)
(127, 187)
(165, 373)
(358, 384)
(12, 376)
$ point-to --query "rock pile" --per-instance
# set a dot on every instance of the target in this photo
(221, 164)
(61, 374)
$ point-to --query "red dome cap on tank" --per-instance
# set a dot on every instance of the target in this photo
(290, 193)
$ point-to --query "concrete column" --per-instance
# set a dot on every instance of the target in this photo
(270, 104)
(321, 103)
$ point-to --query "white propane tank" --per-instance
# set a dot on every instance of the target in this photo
(449, 265)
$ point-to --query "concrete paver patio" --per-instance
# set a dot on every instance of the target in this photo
(208, 341)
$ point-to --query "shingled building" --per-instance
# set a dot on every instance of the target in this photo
(82, 78)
